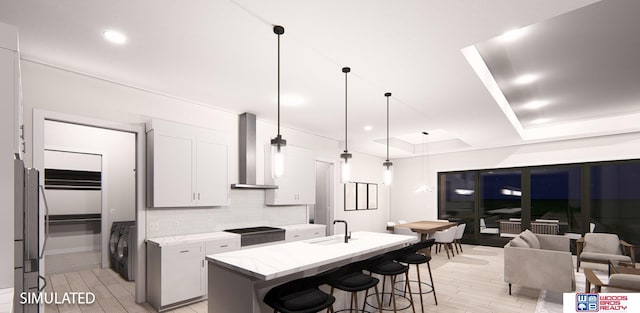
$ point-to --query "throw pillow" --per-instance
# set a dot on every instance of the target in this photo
(519, 243)
(531, 239)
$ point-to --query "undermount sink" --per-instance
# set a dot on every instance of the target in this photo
(333, 240)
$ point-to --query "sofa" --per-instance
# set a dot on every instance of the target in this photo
(539, 261)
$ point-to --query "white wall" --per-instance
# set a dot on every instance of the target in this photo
(408, 205)
(8, 57)
(367, 169)
(57, 90)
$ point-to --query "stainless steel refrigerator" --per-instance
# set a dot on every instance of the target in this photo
(27, 231)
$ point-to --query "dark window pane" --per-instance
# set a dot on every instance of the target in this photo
(500, 205)
(615, 200)
(457, 198)
(556, 200)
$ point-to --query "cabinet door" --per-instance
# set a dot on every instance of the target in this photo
(172, 171)
(182, 272)
(305, 169)
(212, 185)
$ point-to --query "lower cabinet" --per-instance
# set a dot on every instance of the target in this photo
(177, 273)
(304, 231)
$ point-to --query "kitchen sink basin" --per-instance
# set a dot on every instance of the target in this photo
(326, 241)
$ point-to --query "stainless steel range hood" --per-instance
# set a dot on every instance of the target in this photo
(247, 154)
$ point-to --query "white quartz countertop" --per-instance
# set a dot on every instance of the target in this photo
(184, 239)
(300, 226)
(270, 262)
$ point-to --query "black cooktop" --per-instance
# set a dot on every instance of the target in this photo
(251, 230)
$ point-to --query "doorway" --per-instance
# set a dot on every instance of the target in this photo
(321, 211)
(134, 187)
(89, 175)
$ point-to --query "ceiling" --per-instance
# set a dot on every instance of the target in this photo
(223, 54)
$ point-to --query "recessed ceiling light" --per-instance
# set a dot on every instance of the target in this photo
(535, 104)
(114, 37)
(541, 121)
(368, 128)
(512, 35)
(526, 79)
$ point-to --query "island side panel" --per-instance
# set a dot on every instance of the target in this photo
(230, 292)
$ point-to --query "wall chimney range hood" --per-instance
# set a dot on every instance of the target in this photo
(247, 154)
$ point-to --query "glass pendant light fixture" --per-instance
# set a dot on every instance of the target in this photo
(387, 169)
(345, 166)
(278, 144)
(424, 187)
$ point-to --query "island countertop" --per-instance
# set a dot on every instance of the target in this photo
(270, 262)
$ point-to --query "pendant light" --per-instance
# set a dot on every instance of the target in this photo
(387, 170)
(424, 187)
(278, 144)
(345, 166)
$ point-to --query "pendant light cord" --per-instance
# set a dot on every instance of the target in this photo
(345, 112)
(278, 85)
(423, 155)
(387, 128)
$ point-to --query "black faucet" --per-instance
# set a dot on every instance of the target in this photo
(347, 235)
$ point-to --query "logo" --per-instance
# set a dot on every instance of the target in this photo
(587, 302)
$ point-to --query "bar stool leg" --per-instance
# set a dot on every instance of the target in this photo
(406, 276)
(420, 287)
(433, 287)
(393, 293)
(331, 307)
(356, 302)
(364, 303)
(378, 298)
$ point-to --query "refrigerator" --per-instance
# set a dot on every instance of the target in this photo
(26, 238)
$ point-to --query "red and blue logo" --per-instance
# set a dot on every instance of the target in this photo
(587, 302)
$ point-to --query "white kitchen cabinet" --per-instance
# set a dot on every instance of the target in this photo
(186, 166)
(175, 273)
(298, 184)
(177, 269)
(304, 231)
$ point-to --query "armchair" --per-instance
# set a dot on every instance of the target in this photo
(601, 247)
(617, 282)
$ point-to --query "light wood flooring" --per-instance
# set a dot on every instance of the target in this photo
(469, 282)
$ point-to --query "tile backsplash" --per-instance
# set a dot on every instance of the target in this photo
(247, 208)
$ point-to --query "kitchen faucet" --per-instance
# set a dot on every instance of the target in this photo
(347, 235)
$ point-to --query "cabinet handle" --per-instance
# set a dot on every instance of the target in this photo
(202, 263)
(198, 196)
(194, 196)
(224, 246)
(184, 251)
(296, 236)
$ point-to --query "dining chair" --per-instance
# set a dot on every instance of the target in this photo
(457, 240)
(445, 238)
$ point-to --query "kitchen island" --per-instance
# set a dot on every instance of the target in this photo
(238, 280)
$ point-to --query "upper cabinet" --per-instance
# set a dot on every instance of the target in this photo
(298, 184)
(186, 166)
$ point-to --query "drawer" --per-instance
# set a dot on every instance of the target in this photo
(222, 245)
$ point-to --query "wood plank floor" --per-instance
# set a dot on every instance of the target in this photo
(469, 282)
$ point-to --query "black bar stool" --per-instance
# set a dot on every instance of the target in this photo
(300, 296)
(415, 257)
(386, 265)
(351, 279)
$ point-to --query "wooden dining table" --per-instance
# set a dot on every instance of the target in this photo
(425, 228)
